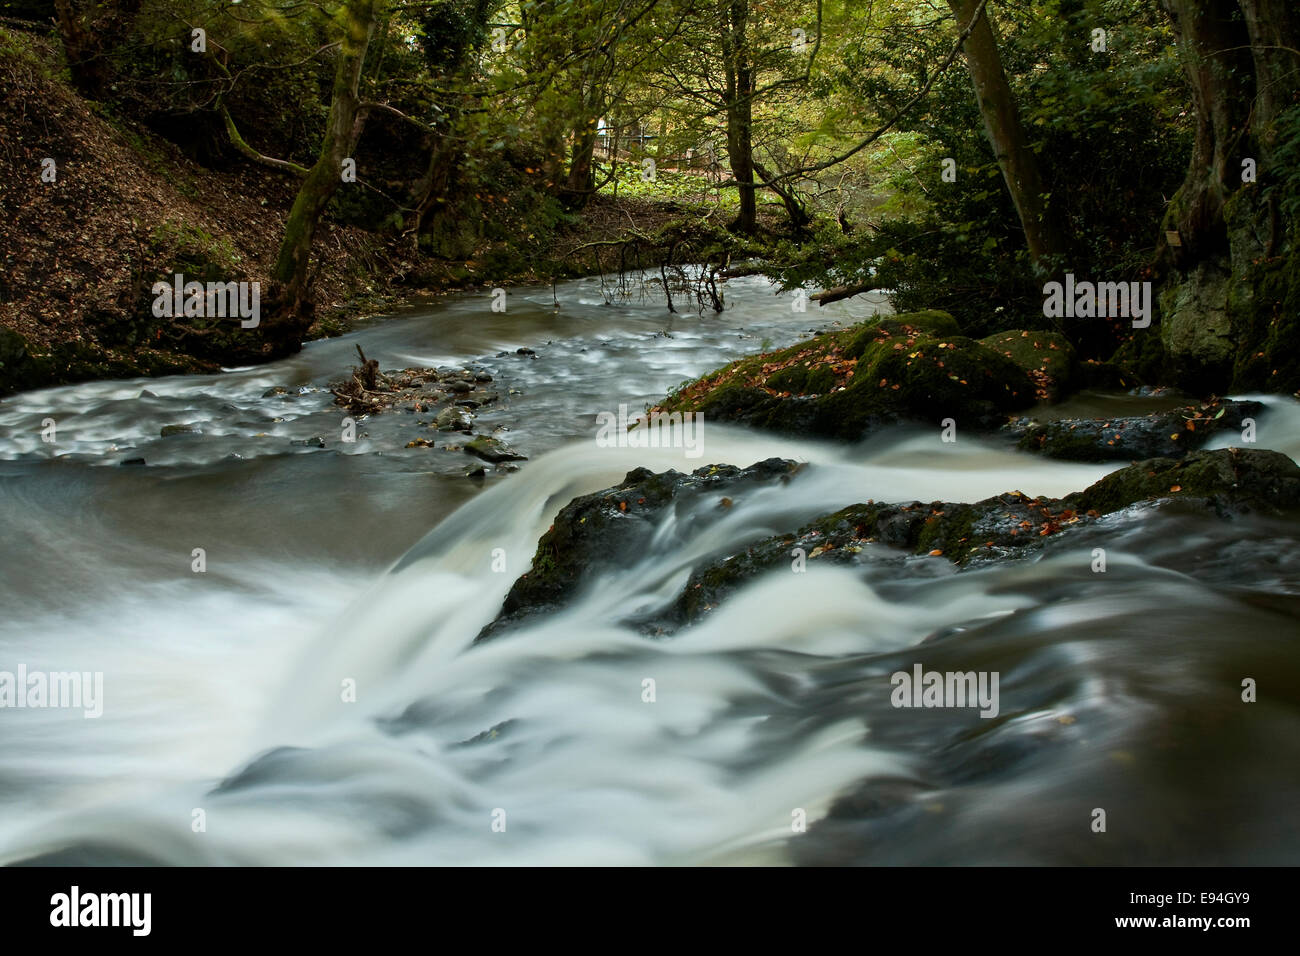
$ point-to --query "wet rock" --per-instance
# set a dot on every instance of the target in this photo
(132, 461)
(453, 418)
(848, 383)
(170, 430)
(1227, 480)
(493, 450)
(274, 391)
(617, 525)
(1170, 434)
(1008, 525)
(479, 472)
(524, 351)
(315, 441)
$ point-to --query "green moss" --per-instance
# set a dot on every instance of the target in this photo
(802, 380)
(1255, 477)
(1268, 327)
(843, 384)
(1143, 357)
(1048, 353)
(933, 321)
(948, 532)
(928, 379)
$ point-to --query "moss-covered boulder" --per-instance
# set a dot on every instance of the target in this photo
(847, 383)
(1170, 434)
(931, 322)
(1006, 526)
(1048, 358)
(616, 526)
(1228, 480)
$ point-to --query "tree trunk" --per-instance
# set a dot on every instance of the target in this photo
(1225, 258)
(91, 33)
(291, 271)
(740, 109)
(581, 179)
(997, 104)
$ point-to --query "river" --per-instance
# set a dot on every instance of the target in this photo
(225, 737)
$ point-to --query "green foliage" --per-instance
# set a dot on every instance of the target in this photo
(1109, 131)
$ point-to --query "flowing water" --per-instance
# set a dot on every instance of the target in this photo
(372, 566)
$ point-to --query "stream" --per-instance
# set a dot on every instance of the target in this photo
(372, 565)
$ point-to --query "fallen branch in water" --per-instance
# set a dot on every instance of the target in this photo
(844, 292)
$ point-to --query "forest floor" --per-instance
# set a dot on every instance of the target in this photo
(94, 209)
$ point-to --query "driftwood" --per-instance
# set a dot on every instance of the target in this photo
(739, 272)
(843, 292)
(368, 390)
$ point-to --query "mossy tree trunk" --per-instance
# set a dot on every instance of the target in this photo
(291, 273)
(740, 78)
(1226, 256)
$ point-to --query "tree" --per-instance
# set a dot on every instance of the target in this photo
(92, 30)
(342, 130)
(726, 61)
(1006, 134)
(1228, 255)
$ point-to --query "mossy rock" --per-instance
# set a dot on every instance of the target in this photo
(1170, 434)
(1231, 478)
(66, 363)
(1268, 327)
(844, 384)
(931, 321)
(1006, 526)
(491, 450)
(1048, 357)
(1143, 358)
(618, 525)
